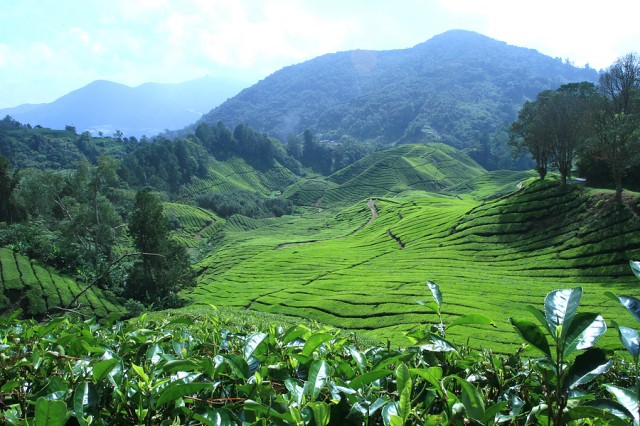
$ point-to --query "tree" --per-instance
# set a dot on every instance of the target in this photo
(565, 118)
(8, 207)
(614, 117)
(529, 132)
(164, 266)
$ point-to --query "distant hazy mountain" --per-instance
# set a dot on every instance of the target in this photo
(458, 87)
(143, 110)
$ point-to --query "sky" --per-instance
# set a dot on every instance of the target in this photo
(51, 47)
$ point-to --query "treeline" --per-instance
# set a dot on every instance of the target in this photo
(599, 125)
(246, 203)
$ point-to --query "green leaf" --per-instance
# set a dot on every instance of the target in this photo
(630, 303)
(539, 316)
(252, 343)
(175, 391)
(256, 407)
(140, 372)
(583, 333)
(321, 413)
(368, 378)
(180, 365)
(389, 411)
(318, 374)
(627, 398)
(613, 407)
(85, 397)
(50, 413)
(404, 386)
(471, 399)
(532, 334)
(314, 341)
(436, 293)
(472, 319)
(102, 368)
(635, 267)
(560, 306)
(238, 364)
(491, 412)
(588, 412)
(585, 368)
(631, 340)
(435, 343)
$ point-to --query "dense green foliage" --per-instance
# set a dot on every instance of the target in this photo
(203, 367)
(460, 88)
(246, 203)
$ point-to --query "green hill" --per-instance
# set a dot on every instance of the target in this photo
(453, 88)
(365, 272)
(430, 168)
(27, 285)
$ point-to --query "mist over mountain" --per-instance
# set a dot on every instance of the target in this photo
(460, 87)
(142, 110)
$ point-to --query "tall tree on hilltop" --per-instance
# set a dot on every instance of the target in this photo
(529, 132)
(614, 117)
(8, 207)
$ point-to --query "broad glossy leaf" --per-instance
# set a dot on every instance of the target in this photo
(584, 331)
(630, 338)
(436, 293)
(635, 267)
(140, 372)
(314, 341)
(295, 390)
(238, 364)
(627, 398)
(539, 316)
(212, 417)
(588, 412)
(267, 411)
(175, 391)
(532, 334)
(321, 413)
(472, 399)
(435, 343)
(180, 365)
(475, 319)
(560, 306)
(389, 411)
(84, 398)
(630, 303)
(318, 374)
(404, 386)
(586, 367)
(294, 332)
(368, 378)
(359, 357)
(491, 412)
(612, 407)
(102, 368)
(154, 354)
(252, 342)
(50, 413)
(431, 375)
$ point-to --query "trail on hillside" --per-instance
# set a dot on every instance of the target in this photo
(209, 225)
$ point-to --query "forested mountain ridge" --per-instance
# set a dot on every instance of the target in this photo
(460, 87)
(147, 109)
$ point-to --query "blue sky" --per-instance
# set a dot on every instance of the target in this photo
(50, 47)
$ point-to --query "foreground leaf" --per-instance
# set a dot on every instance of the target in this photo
(560, 306)
(318, 374)
(50, 413)
(586, 367)
(475, 319)
(627, 398)
(532, 334)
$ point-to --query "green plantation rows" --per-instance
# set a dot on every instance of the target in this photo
(191, 225)
(27, 285)
(490, 258)
(234, 174)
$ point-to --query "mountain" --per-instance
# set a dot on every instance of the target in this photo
(458, 87)
(143, 110)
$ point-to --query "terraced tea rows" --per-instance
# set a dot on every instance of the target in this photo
(29, 286)
(191, 225)
(489, 257)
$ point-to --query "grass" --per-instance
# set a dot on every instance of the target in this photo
(490, 253)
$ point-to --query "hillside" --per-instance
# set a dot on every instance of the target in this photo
(27, 285)
(430, 168)
(453, 88)
(147, 109)
(365, 272)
